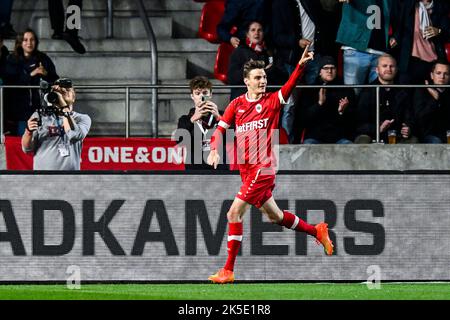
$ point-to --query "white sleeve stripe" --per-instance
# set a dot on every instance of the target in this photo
(223, 124)
(237, 238)
(297, 220)
(280, 96)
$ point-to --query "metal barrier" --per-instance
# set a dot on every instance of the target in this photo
(154, 88)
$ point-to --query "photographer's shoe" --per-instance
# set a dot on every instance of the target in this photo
(74, 41)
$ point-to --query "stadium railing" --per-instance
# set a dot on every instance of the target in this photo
(127, 88)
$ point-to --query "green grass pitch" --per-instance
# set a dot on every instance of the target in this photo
(236, 291)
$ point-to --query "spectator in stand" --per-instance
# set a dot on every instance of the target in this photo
(395, 107)
(295, 25)
(25, 66)
(254, 48)
(362, 45)
(328, 113)
(238, 14)
(331, 18)
(432, 106)
(3, 56)
(6, 29)
(422, 34)
(59, 24)
(203, 117)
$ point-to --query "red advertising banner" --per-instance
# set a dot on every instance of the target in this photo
(110, 154)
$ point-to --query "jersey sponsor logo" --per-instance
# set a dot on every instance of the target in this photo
(258, 108)
(253, 125)
(241, 110)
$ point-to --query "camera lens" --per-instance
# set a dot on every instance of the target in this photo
(51, 97)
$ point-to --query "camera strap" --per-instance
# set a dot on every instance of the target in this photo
(63, 147)
(206, 143)
(203, 130)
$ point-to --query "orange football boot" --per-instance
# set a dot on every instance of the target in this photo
(323, 238)
(222, 276)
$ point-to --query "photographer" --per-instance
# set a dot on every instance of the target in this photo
(56, 133)
(199, 122)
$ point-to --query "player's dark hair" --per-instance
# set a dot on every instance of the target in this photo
(200, 82)
(253, 64)
(439, 61)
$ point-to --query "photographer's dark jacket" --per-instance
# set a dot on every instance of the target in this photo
(323, 122)
(21, 103)
(197, 135)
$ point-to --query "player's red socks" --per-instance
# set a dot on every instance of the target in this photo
(234, 243)
(293, 222)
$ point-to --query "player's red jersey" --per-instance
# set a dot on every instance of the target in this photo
(255, 122)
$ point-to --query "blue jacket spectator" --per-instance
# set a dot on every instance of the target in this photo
(25, 66)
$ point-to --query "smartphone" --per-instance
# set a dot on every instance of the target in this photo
(206, 98)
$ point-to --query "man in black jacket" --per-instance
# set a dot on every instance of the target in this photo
(432, 106)
(395, 107)
(328, 112)
(197, 125)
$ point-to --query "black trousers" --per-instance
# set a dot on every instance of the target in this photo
(58, 14)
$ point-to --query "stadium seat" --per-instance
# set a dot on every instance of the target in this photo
(211, 15)
(222, 61)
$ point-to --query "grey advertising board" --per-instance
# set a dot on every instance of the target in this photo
(171, 227)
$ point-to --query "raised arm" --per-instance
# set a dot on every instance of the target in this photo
(286, 90)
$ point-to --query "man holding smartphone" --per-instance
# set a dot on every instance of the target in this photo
(56, 136)
(194, 129)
